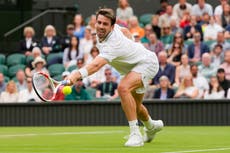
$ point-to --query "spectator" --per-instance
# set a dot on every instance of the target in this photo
(86, 43)
(191, 29)
(79, 28)
(199, 81)
(182, 70)
(226, 64)
(222, 41)
(207, 69)
(166, 36)
(134, 27)
(10, 95)
(165, 68)
(35, 53)
(21, 80)
(186, 20)
(175, 54)
(212, 29)
(219, 9)
(166, 18)
(66, 39)
(29, 42)
(28, 94)
(175, 27)
(215, 90)
(155, 27)
(178, 38)
(78, 92)
(217, 55)
(225, 16)
(187, 90)
(200, 8)
(107, 89)
(50, 43)
(154, 44)
(72, 53)
(197, 49)
(136, 37)
(124, 12)
(162, 9)
(92, 22)
(39, 65)
(228, 95)
(164, 92)
(148, 31)
(181, 7)
(2, 83)
(224, 83)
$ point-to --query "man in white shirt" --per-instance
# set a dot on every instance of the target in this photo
(201, 7)
(137, 65)
(181, 7)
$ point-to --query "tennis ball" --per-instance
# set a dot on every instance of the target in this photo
(66, 90)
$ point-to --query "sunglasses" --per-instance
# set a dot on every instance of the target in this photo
(107, 73)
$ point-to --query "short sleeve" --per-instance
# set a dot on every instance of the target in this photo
(107, 53)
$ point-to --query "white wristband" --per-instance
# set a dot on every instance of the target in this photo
(83, 72)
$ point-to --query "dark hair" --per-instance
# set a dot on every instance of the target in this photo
(107, 12)
(219, 88)
(71, 47)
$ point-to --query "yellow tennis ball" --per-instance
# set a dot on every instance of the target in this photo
(66, 90)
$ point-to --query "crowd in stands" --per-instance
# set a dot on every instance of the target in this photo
(191, 43)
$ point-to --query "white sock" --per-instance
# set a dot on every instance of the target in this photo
(133, 125)
(149, 124)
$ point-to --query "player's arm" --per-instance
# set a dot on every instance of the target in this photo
(126, 32)
(89, 69)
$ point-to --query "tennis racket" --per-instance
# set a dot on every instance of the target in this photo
(47, 88)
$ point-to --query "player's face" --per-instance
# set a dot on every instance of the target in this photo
(103, 27)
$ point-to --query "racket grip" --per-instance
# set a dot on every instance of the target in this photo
(65, 82)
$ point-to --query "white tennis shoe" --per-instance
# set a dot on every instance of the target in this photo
(150, 134)
(135, 140)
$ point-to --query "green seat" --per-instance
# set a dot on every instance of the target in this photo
(56, 69)
(14, 69)
(6, 79)
(14, 59)
(29, 58)
(71, 68)
(2, 59)
(51, 56)
(209, 42)
(58, 77)
(91, 92)
(145, 18)
(4, 69)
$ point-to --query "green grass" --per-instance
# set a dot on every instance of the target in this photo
(110, 140)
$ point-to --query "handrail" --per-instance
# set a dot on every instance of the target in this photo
(32, 19)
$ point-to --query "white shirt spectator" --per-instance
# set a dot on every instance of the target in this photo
(26, 96)
(197, 11)
(210, 32)
(9, 98)
(178, 12)
(214, 95)
(218, 10)
(202, 84)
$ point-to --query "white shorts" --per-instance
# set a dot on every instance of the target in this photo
(148, 69)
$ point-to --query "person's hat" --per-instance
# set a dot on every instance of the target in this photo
(220, 70)
(38, 60)
(65, 73)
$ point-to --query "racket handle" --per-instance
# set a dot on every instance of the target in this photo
(65, 82)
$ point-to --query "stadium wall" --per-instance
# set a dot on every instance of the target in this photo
(173, 112)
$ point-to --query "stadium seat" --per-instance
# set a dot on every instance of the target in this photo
(2, 59)
(4, 69)
(71, 68)
(51, 56)
(209, 42)
(91, 92)
(13, 69)
(6, 79)
(57, 77)
(145, 18)
(16, 58)
(29, 58)
(56, 69)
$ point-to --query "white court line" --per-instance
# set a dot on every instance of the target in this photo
(203, 150)
(60, 133)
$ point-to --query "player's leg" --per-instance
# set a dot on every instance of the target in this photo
(130, 82)
(151, 127)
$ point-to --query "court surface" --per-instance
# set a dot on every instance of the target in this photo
(111, 139)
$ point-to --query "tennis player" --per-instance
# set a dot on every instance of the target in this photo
(136, 64)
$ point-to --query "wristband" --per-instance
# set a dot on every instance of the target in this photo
(83, 72)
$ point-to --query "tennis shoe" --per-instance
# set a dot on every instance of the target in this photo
(149, 134)
(135, 140)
